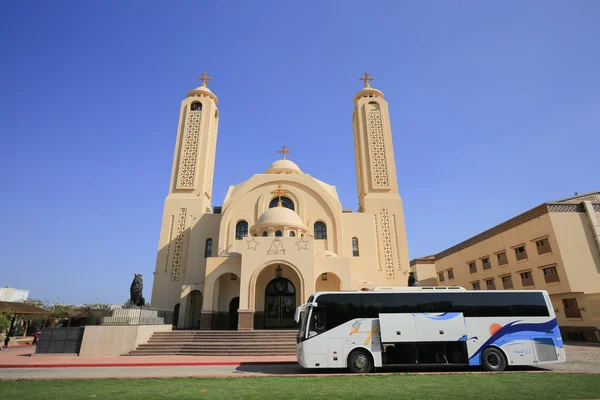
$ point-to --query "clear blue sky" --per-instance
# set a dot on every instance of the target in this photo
(494, 109)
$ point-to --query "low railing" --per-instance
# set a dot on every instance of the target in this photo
(544, 249)
(551, 278)
(522, 256)
(527, 282)
(130, 316)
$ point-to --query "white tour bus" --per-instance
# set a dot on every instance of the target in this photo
(360, 330)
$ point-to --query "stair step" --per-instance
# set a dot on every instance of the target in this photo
(219, 343)
(183, 353)
(211, 346)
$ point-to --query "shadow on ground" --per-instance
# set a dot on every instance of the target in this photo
(296, 369)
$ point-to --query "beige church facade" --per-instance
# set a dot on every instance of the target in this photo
(279, 236)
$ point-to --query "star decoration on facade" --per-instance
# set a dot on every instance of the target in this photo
(302, 244)
(252, 244)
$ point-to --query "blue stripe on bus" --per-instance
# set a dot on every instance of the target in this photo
(520, 330)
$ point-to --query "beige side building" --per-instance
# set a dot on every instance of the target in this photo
(553, 247)
(280, 235)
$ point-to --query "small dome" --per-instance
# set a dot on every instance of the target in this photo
(368, 92)
(283, 167)
(278, 217)
(203, 91)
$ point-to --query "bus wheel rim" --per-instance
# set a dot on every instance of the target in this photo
(493, 359)
(360, 361)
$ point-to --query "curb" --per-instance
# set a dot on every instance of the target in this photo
(182, 364)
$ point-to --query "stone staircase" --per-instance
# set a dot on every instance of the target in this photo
(219, 343)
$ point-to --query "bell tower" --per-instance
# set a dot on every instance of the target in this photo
(189, 198)
(194, 160)
(376, 179)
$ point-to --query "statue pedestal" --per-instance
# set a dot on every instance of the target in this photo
(133, 316)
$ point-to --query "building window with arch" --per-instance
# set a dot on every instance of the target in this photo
(265, 233)
(241, 230)
(355, 247)
(208, 248)
(292, 234)
(196, 106)
(320, 230)
(278, 233)
(285, 202)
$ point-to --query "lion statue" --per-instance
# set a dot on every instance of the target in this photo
(412, 279)
(136, 292)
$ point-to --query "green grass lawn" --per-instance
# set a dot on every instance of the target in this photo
(398, 386)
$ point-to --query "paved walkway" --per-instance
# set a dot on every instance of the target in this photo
(580, 358)
(23, 358)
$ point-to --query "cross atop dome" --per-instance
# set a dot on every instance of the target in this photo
(279, 192)
(284, 151)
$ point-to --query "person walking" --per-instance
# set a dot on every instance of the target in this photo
(36, 336)
(6, 340)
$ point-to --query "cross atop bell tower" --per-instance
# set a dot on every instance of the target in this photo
(366, 79)
(204, 78)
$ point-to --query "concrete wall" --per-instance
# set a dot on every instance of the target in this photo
(116, 340)
(578, 250)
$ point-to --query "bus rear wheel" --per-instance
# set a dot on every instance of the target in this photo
(493, 360)
(360, 362)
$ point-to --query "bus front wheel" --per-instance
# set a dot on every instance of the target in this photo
(360, 362)
(492, 359)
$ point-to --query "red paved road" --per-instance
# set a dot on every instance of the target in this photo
(22, 358)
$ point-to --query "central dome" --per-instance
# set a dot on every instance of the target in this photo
(279, 217)
(283, 167)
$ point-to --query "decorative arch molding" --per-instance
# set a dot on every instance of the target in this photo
(257, 272)
(304, 185)
(262, 204)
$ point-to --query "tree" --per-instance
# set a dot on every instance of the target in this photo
(4, 321)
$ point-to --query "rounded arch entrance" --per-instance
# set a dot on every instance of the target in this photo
(226, 295)
(194, 307)
(328, 282)
(275, 292)
(280, 304)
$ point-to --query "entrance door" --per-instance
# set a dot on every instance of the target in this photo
(280, 304)
(234, 305)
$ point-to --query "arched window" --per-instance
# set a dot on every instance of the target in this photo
(320, 230)
(292, 234)
(208, 248)
(354, 247)
(241, 230)
(265, 233)
(278, 233)
(285, 202)
(197, 106)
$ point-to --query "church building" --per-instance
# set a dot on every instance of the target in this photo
(279, 236)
